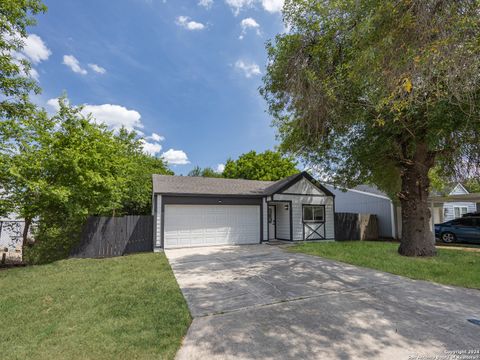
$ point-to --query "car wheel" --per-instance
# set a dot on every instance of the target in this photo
(448, 237)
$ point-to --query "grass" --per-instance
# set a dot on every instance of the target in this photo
(120, 308)
(450, 267)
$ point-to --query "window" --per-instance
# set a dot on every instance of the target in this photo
(459, 211)
(313, 213)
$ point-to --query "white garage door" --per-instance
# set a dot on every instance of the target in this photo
(203, 225)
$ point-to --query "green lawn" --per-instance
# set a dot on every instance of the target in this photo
(451, 267)
(121, 308)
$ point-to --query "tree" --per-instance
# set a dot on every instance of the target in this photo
(15, 82)
(269, 166)
(206, 172)
(65, 168)
(379, 91)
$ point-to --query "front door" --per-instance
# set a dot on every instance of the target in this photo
(271, 222)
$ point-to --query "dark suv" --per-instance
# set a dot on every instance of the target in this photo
(464, 229)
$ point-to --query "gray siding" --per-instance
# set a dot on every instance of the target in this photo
(297, 215)
(282, 221)
(158, 223)
(265, 219)
(356, 202)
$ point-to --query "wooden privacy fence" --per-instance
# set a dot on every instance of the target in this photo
(115, 236)
(351, 226)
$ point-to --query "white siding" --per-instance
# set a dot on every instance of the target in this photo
(449, 207)
(158, 223)
(282, 221)
(265, 219)
(449, 211)
(303, 187)
(297, 216)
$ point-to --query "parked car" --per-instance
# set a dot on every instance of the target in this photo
(465, 229)
(472, 214)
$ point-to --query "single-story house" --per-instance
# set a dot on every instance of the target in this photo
(454, 210)
(367, 199)
(200, 211)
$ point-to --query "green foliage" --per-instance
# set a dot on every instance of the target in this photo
(64, 168)
(15, 84)
(450, 267)
(268, 166)
(122, 308)
(206, 172)
(364, 89)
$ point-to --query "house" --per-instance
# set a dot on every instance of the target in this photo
(366, 199)
(198, 211)
(11, 232)
(453, 210)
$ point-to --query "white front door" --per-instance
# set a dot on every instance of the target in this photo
(271, 222)
(204, 225)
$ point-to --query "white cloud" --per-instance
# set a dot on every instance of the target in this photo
(273, 5)
(175, 157)
(114, 116)
(249, 23)
(98, 69)
(249, 69)
(156, 137)
(207, 4)
(238, 5)
(35, 49)
(72, 62)
(53, 103)
(151, 148)
(185, 22)
(220, 168)
(33, 74)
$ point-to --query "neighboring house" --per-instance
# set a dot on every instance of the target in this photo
(365, 199)
(453, 210)
(11, 231)
(198, 211)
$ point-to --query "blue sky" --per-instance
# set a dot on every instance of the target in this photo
(183, 72)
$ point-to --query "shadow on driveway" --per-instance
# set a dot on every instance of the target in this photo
(251, 302)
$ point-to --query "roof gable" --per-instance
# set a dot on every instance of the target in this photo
(459, 189)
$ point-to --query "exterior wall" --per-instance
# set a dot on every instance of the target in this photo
(158, 223)
(360, 203)
(449, 211)
(297, 212)
(11, 231)
(282, 222)
(449, 207)
(265, 219)
(303, 187)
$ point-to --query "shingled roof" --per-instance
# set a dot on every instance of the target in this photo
(195, 185)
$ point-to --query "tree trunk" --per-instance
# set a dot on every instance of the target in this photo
(417, 237)
(28, 223)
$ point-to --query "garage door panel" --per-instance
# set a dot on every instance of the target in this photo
(203, 225)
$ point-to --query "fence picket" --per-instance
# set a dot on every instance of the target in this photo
(115, 236)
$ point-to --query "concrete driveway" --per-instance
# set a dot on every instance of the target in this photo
(260, 302)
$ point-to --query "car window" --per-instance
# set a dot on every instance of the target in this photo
(466, 222)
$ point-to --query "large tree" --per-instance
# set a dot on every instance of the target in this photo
(382, 91)
(63, 168)
(15, 83)
(205, 172)
(269, 166)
